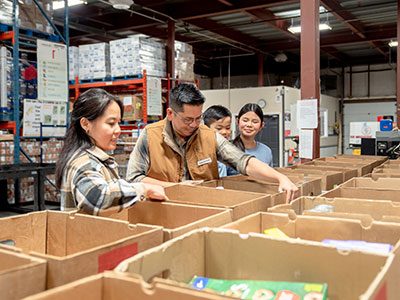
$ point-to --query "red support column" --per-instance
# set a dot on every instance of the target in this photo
(398, 65)
(260, 57)
(309, 51)
(171, 50)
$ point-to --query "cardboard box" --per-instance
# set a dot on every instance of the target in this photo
(362, 168)
(175, 218)
(75, 245)
(361, 209)
(318, 228)
(382, 183)
(114, 286)
(223, 254)
(249, 186)
(384, 174)
(240, 203)
(348, 173)
(373, 159)
(21, 275)
(365, 193)
(132, 106)
(329, 179)
(307, 186)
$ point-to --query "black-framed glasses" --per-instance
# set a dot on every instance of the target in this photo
(188, 121)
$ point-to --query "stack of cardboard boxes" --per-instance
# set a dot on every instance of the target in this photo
(94, 61)
(184, 61)
(132, 55)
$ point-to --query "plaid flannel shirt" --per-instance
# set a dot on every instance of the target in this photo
(91, 184)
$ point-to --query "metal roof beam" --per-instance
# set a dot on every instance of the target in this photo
(269, 18)
(340, 13)
(228, 33)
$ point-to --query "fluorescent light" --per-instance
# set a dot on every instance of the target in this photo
(393, 44)
(297, 29)
(60, 3)
(295, 13)
(324, 26)
(294, 29)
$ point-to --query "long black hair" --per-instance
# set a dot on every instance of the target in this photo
(215, 113)
(254, 107)
(90, 105)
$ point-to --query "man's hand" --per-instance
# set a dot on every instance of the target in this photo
(192, 182)
(285, 185)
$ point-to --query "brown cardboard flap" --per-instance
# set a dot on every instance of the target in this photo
(175, 218)
(113, 286)
(76, 245)
(364, 193)
(373, 183)
(21, 275)
(241, 203)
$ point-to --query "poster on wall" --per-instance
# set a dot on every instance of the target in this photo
(306, 143)
(52, 113)
(52, 71)
(154, 102)
(307, 113)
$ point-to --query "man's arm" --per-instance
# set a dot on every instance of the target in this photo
(139, 163)
(249, 165)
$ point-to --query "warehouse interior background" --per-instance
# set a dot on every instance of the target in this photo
(232, 39)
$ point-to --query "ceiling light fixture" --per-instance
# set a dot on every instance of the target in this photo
(393, 44)
(294, 13)
(297, 29)
(322, 26)
(60, 4)
(121, 4)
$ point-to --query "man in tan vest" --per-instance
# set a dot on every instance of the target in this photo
(179, 148)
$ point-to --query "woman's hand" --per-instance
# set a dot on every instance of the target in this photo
(154, 192)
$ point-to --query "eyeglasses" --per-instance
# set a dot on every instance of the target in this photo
(188, 121)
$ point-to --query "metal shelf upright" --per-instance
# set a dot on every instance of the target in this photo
(15, 37)
(18, 170)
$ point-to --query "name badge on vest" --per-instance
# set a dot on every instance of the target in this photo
(204, 161)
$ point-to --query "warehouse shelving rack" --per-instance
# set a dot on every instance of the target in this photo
(25, 37)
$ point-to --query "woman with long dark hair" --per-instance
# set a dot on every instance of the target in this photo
(250, 123)
(86, 175)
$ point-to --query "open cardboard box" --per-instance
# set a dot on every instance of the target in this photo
(248, 186)
(362, 209)
(329, 179)
(347, 173)
(240, 203)
(318, 228)
(76, 245)
(369, 159)
(175, 218)
(113, 286)
(385, 173)
(363, 182)
(362, 169)
(308, 186)
(366, 161)
(364, 193)
(223, 254)
(20, 275)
